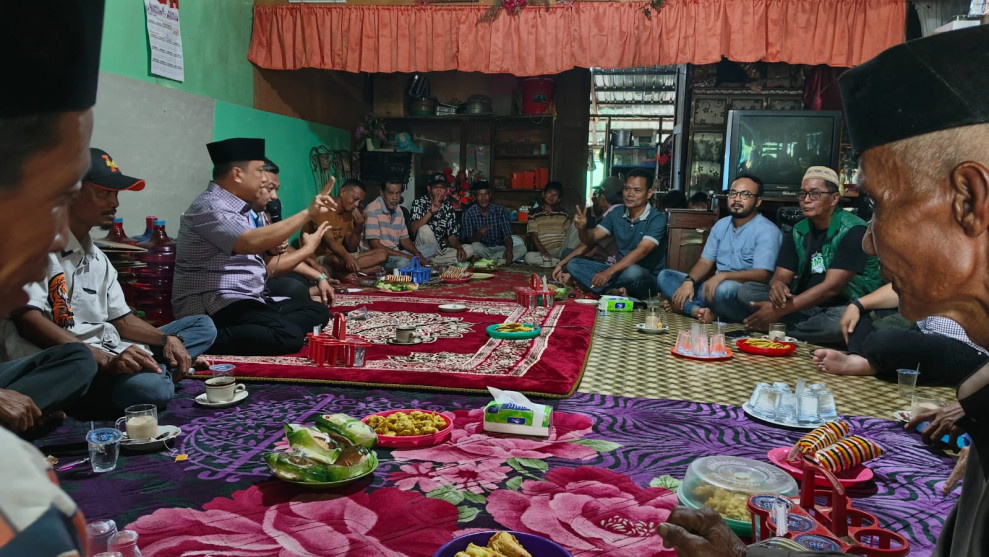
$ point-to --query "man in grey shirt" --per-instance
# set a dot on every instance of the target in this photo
(220, 269)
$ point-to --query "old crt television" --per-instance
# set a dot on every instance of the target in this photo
(777, 146)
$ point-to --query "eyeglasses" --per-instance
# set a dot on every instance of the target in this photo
(742, 194)
(812, 195)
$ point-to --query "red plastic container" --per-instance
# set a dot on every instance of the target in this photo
(412, 441)
(537, 94)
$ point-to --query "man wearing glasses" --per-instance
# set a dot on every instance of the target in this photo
(821, 267)
(741, 248)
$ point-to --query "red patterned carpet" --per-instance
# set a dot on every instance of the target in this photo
(455, 354)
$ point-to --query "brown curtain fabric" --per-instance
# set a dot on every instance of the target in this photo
(840, 33)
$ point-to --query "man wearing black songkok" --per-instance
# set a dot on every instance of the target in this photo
(918, 115)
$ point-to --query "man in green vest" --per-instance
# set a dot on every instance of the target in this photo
(820, 269)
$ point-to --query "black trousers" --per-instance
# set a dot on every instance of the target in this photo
(290, 285)
(942, 360)
(253, 328)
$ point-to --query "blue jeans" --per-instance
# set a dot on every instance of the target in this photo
(637, 281)
(147, 386)
(725, 303)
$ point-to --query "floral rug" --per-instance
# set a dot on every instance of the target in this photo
(598, 485)
(455, 352)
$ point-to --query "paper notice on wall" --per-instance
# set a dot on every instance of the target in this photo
(165, 38)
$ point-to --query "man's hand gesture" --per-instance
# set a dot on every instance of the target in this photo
(322, 204)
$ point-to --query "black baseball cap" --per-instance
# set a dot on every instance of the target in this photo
(437, 179)
(104, 173)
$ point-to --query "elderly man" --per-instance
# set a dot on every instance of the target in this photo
(434, 224)
(932, 165)
(219, 266)
(741, 248)
(45, 126)
(80, 300)
(487, 229)
(640, 235)
(821, 267)
(385, 227)
(341, 248)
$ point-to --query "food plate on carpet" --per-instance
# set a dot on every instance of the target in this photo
(765, 347)
(412, 428)
(513, 331)
(498, 541)
(452, 308)
(481, 276)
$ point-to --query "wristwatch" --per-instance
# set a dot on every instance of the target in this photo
(688, 277)
(164, 338)
(855, 302)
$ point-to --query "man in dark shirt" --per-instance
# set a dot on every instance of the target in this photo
(821, 267)
(434, 225)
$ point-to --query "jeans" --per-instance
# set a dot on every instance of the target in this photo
(725, 303)
(148, 386)
(53, 378)
(497, 252)
(817, 325)
(429, 247)
(637, 281)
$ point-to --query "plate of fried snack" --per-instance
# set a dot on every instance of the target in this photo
(501, 544)
(456, 275)
(396, 283)
(409, 428)
(513, 331)
(765, 347)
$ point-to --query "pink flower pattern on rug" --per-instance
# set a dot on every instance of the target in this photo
(587, 509)
(470, 476)
(278, 519)
(469, 442)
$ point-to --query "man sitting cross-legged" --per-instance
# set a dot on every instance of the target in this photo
(341, 248)
(741, 248)
(938, 345)
(81, 301)
(549, 229)
(434, 224)
(640, 235)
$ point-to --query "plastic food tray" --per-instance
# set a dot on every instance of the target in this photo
(412, 441)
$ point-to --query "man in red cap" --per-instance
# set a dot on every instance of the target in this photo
(81, 300)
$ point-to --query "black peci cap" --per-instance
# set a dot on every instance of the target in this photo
(236, 149)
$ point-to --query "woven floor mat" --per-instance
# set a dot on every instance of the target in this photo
(626, 362)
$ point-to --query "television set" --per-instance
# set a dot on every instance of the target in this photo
(777, 146)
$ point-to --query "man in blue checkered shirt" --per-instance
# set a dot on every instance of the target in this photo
(487, 229)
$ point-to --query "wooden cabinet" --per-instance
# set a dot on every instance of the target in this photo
(497, 146)
(686, 232)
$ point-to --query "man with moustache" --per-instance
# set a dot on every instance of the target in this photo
(741, 248)
(820, 269)
(931, 166)
(434, 223)
(80, 300)
(385, 228)
(220, 268)
(45, 125)
(341, 247)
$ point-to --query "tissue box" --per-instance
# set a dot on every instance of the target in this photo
(616, 303)
(511, 412)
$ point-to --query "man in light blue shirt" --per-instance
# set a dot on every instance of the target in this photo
(741, 248)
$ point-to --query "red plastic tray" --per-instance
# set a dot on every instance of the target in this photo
(847, 478)
(790, 348)
(412, 441)
(702, 358)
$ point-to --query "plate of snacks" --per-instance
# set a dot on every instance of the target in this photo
(456, 275)
(335, 452)
(504, 544)
(485, 264)
(513, 331)
(853, 476)
(406, 429)
(397, 284)
(765, 347)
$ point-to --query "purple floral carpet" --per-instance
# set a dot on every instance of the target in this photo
(595, 486)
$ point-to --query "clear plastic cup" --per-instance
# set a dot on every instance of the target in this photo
(718, 347)
(906, 380)
(699, 340)
(826, 408)
(104, 448)
(786, 411)
(807, 408)
(683, 345)
(755, 393)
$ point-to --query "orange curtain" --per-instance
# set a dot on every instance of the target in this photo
(587, 34)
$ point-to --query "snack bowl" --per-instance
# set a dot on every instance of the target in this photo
(493, 332)
(412, 441)
(276, 464)
(535, 545)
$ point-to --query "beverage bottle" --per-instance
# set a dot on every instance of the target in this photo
(159, 242)
(117, 233)
(148, 229)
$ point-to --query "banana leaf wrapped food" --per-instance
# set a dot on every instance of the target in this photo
(353, 430)
(312, 443)
(295, 467)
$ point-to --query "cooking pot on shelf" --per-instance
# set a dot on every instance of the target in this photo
(423, 107)
(620, 138)
(477, 105)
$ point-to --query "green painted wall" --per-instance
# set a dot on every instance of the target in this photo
(215, 37)
(287, 142)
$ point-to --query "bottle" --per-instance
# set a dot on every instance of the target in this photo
(714, 201)
(148, 229)
(125, 543)
(117, 233)
(159, 242)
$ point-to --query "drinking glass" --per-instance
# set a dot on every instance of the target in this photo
(807, 408)
(140, 421)
(683, 343)
(786, 412)
(698, 339)
(755, 393)
(924, 404)
(104, 447)
(652, 318)
(826, 408)
(718, 347)
(906, 380)
(777, 331)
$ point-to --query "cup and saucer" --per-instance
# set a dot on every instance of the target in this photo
(414, 340)
(406, 335)
(165, 433)
(222, 392)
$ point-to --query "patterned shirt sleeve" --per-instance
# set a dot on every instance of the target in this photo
(220, 228)
(372, 222)
(419, 207)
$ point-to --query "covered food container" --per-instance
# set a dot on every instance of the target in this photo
(725, 483)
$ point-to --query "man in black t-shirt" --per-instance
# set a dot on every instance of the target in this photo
(820, 268)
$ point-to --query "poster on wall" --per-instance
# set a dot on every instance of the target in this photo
(165, 38)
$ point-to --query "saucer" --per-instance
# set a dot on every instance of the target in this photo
(203, 401)
(165, 433)
(415, 340)
(452, 308)
(651, 331)
(585, 301)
